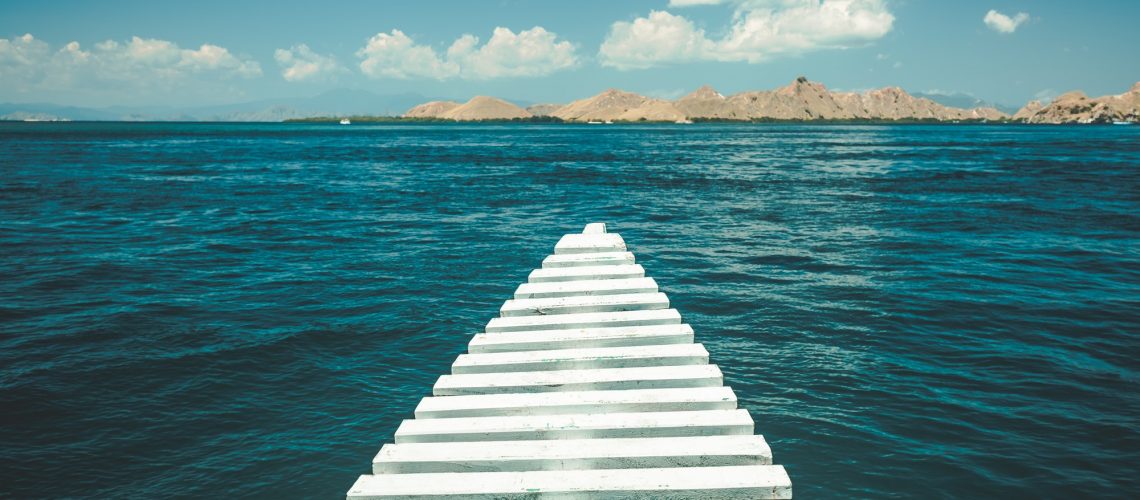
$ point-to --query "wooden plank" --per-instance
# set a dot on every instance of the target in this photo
(595, 228)
(572, 338)
(589, 243)
(586, 273)
(587, 287)
(584, 320)
(654, 377)
(572, 454)
(588, 259)
(582, 359)
(576, 426)
(557, 403)
(584, 304)
(672, 483)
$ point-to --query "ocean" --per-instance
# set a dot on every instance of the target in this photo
(249, 310)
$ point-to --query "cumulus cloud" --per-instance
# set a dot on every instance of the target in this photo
(690, 3)
(648, 41)
(533, 52)
(1002, 23)
(22, 50)
(139, 62)
(395, 55)
(23, 59)
(299, 63)
(152, 58)
(760, 30)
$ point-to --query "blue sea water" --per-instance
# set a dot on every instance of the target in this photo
(224, 310)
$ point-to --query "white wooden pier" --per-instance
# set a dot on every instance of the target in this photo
(588, 385)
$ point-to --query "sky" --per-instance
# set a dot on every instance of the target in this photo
(206, 52)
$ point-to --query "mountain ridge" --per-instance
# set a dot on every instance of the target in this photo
(802, 99)
(336, 102)
(1076, 107)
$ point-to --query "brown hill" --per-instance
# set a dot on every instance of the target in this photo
(1031, 108)
(800, 100)
(706, 102)
(605, 106)
(893, 103)
(434, 109)
(807, 100)
(485, 108)
(543, 109)
(615, 104)
(654, 110)
(1076, 107)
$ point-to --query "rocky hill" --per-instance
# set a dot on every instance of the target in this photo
(433, 109)
(800, 100)
(478, 108)
(486, 108)
(1076, 107)
(706, 102)
(619, 105)
(543, 109)
(807, 100)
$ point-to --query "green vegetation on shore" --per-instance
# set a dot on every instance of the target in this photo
(401, 119)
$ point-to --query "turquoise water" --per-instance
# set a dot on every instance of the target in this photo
(217, 310)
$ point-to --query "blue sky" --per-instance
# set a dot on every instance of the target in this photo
(212, 52)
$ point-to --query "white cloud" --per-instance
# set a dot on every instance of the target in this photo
(533, 52)
(148, 58)
(300, 63)
(22, 59)
(214, 58)
(139, 62)
(647, 41)
(690, 3)
(394, 55)
(760, 30)
(1002, 23)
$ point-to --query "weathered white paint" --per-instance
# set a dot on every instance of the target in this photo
(582, 359)
(572, 338)
(572, 454)
(595, 228)
(672, 483)
(586, 273)
(653, 377)
(584, 304)
(589, 243)
(588, 259)
(588, 287)
(584, 320)
(556, 403)
(579, 426)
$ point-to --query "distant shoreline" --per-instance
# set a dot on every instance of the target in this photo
(395, 120)
(543, 120)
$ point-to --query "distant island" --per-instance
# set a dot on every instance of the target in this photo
(800, 101)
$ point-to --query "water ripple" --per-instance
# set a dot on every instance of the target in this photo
(250, 310)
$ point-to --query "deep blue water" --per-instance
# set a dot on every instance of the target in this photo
(216, 310)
